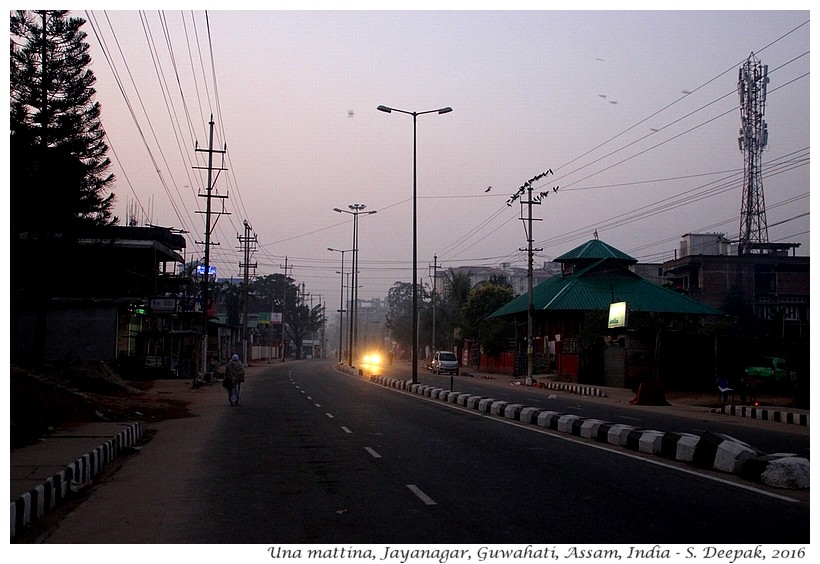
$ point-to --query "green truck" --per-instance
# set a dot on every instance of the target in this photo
(771, 369)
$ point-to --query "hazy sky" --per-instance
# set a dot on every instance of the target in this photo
(635, 112)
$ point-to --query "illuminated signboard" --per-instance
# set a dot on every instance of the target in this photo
(617, 315)
(201, 270)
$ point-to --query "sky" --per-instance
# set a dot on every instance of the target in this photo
(635, 113)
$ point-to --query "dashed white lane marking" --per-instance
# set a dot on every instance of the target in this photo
(329, 415)
(372, 452)
(318, 404)
(346, 430)
(421, 495)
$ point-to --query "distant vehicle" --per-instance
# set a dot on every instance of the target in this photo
(770, 369)
(443, 362)
(372, 358)
(372, 361)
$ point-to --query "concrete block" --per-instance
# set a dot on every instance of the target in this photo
(650, 442)
(731, 455)
(589, 428)
(485, 404)
(548, 419)
(565, 423)
(497, 407)
(618, 434)
(512, 411)
(685, 449)
(529, 415)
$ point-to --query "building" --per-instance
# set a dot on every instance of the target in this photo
(112, 293)
(516, 277)
(570, 320)
(768, 293)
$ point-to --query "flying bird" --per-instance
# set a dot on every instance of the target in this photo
(488, 188)
(349, 113)
(555, 189)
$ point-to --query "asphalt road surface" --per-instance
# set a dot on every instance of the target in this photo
(315, 456)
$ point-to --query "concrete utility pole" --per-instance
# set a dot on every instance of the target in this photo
(435, 280)
(527, 187)
(284, 304)
(208, 195)
(247, 242)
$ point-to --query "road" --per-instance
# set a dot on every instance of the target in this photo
(767, 437)
(312, 455)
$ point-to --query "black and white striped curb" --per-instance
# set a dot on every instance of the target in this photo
(709, 450)
(575, 389)
(41, 499)
(765, 414)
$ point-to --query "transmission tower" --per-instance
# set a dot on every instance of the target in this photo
(751, 86)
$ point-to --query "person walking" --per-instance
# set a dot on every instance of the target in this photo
(234, 376)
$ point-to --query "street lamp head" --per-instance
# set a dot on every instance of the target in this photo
(384, 109)
(357, 207)
(337, 210)
(446, 110)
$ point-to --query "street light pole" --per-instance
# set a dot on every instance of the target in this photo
(341, 298)
(415, 355)
(356, 210)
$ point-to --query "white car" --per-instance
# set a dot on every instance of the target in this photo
(444, 362)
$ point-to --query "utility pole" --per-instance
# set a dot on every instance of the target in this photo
(247, 241)
(527, 187)
(284, 304)
(435, 280)
(208, 195)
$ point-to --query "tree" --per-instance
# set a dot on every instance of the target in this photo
(60, 168)
(279, 293)
(302, 321)
(399, 319)
(484, 299)
(230, 294)
(457, 288)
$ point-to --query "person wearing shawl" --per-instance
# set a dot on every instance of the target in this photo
(234, 376)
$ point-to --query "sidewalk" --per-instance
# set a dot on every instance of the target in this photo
(46, 474)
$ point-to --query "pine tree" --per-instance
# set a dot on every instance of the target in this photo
(59, 167)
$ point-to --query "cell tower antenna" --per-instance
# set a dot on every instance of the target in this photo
(751, 87)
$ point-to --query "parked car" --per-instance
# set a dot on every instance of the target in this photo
(444, 362)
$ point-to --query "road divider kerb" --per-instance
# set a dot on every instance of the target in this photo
(712, 451)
